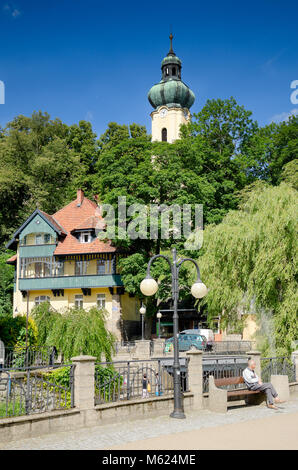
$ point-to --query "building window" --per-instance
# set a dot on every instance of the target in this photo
(24, 240)
(60, 268)
(174, 71)
(41, 298)
(164, 135)
(85, 237)
(38, 269)
(78, 301)
(42, 269)
(101, 301)
(47, 238)
(81, 268)
(101, 266)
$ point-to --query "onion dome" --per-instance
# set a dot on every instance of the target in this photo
(171, 90)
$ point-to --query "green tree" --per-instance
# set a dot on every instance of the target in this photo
(6, 284)
(74, 331)
(271, 148)
(39, 167)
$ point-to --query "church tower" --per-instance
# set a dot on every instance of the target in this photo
(171, 100)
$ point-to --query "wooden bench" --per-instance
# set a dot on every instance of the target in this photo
(218, 397)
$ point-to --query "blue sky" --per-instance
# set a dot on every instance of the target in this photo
(97, 60)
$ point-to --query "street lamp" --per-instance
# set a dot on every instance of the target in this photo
(158, 315)
(149, 287)
(142, 312)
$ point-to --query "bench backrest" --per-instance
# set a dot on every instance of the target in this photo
(228, 381)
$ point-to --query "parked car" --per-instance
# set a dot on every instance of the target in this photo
(208, 333)
(187, 341)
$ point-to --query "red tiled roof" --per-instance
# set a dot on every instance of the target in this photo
(91, 222)
(74, 216)
(54, 222)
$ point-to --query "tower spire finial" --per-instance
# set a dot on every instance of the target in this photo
(171, 44)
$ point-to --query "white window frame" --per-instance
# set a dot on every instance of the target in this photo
(101, 263)
(101, 301)
(79, 301)
(83, 235)
(41, 298)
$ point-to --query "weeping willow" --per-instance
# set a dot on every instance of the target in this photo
(249, 263)
(74, 331)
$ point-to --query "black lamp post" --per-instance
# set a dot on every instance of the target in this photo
(142, 312)
(158, 315)
(149, 287)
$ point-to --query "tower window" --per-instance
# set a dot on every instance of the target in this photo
(164, 135)
(174, 71)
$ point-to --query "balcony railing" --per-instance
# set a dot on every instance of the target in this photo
(70, 282)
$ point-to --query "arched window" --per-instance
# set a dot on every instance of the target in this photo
(164, 135)
(174, 71)
(41, 298)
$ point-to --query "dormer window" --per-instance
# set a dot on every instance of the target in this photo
(85, 237)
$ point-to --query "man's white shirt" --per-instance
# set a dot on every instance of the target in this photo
(250, 377)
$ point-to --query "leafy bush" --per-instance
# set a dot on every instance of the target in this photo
(107, 379)
(13, 330)
(75, 331)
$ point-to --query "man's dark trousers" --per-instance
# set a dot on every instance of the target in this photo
(268, 389)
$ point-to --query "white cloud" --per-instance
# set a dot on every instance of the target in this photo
(16, 13)
(284, 116)
(10, 9)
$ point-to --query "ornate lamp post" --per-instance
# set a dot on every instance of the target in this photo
(158, 316)
(149, 287)
(142, 312)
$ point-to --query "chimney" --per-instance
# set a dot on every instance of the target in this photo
(80, 197)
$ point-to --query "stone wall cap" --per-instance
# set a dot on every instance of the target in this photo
(83, 358)
(195, 351)
(254, 353)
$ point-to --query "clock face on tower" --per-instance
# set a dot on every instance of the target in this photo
(163, 112)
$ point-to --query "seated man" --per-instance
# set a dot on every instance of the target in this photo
(254, 383)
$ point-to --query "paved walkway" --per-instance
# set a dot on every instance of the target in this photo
(247, 427)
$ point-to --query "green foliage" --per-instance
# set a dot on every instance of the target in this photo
(108, 382)
(290, 173)
(16, 408)
(249, 263)
(271, 148)
(13, 331)
(40, 167)
(6, 284)
(74, 332)
(59, 376)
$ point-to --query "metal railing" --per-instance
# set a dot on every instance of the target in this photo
(20, 358)
(228, 347)
(223, 367)
(35, 390)
(131, 380)
(124, 346)
(277, 366)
